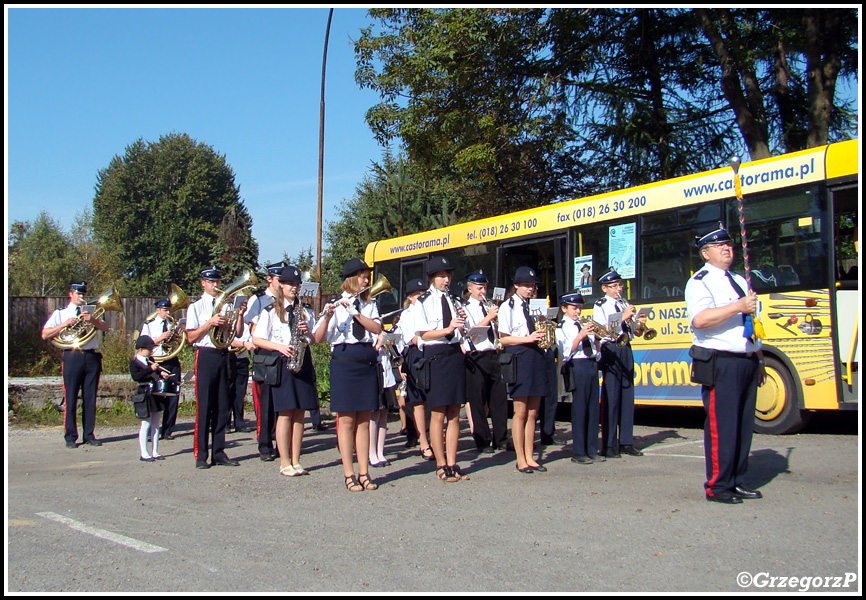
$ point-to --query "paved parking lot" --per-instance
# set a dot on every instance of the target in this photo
(98, 520)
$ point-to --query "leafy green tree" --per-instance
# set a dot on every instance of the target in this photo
(167, 209)
(522, 107)
(42, 258)
(392, 200)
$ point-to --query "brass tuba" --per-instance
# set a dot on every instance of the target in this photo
(78, 334)
(222, 336)
(174, 343)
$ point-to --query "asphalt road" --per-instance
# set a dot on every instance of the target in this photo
(98, 520)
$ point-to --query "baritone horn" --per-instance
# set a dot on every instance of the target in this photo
(79, 333)
(222, 336)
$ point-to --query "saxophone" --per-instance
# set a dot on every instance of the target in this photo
(299, 342)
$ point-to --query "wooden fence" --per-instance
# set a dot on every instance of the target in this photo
(29, 313)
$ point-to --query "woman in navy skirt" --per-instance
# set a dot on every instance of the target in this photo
(296, 392)
(439, 325)
(350, 325)
(520, 339)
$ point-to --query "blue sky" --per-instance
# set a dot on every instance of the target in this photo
(82, 84)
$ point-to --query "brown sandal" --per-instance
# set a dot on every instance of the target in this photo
(446, 474)
(352, 483)
(458, 473)
(368, 483)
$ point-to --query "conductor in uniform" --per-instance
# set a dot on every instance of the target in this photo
(718, 304)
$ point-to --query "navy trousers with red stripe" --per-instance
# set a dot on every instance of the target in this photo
(212, 401)
(730, 408)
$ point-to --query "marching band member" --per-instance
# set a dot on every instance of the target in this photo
(617, 367)
(351, 328)
(416, 408)
(211, 375)
(80, 367)
(718, 302)
(439, 326)
(528, 381)
(579, 352)
(158, 330)
(379, 417)
(486, 390)
(296, 392)
(146, 371)
(265, 416)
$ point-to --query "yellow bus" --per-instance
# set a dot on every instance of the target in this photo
(801, 212)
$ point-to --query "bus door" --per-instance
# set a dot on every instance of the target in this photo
(844, 202)
(546, 256)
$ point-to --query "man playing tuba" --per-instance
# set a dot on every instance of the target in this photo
(81, 366)
(211, 374)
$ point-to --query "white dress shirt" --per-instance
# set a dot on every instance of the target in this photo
(60, 315)
(428, 317)
(340, 325)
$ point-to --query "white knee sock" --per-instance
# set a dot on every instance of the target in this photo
(142, 437)
(154, 428)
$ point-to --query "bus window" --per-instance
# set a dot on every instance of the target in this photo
(788, 238)
(591, 242)
(465, 261)
(845, 217)
(542, 255)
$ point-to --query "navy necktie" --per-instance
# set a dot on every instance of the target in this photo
(737, 288)
(586, 345)
(357, 329)
(164, 325)
(530, 322)
(77, 311)
(447, 316)
(489, 331)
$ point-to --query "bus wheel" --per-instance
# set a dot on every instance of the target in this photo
(777, 410)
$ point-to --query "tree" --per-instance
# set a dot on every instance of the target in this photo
(167, 209)
(522, 107)
(392, 200)
(42, 258)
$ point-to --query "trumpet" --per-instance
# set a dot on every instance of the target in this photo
(640, 330)
(382, 285)
(602, 332)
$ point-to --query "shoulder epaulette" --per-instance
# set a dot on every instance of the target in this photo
(701, 274)
(260, 293)
(511, 302)
(269, 306)
(424, 296)
(600, 302)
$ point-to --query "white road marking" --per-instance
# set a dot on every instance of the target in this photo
(678, 455)
(666, 446)
(102, 533)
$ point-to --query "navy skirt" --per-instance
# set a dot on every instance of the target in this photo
(413, 394)
(296, 390)
(532, 371)
(447, 375)
(354, 378)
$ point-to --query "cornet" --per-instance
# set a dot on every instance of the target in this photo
(640, 330)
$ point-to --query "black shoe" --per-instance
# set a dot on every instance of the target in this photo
(595, 458)
(550, 441)
(93, 442)
(610, 453)
(539, 468)
(71, 445)
(746, 493)
(630, 450)
(725, 498)
(526, 470)
(247, 429)
(225, 461)
(486, 450)
(267, 457)
(321, 427)
(583, 460)
(202, 464)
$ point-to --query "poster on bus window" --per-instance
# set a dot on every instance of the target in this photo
(583, 277)
(621, 249)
